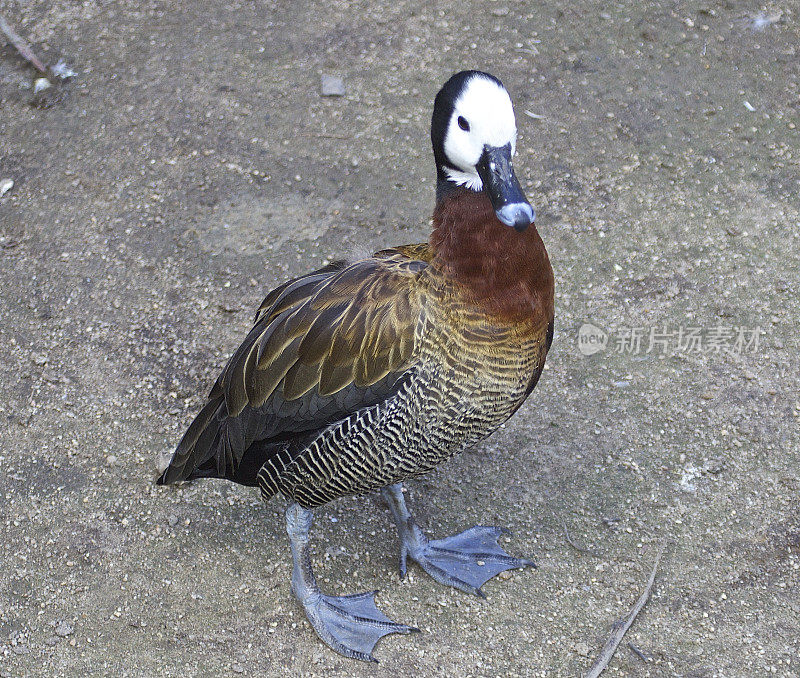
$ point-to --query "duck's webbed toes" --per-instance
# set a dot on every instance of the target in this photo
(351, 625)
(466, 560)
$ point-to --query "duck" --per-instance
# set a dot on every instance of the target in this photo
(363, 374)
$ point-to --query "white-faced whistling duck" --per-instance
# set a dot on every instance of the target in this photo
(362, 374)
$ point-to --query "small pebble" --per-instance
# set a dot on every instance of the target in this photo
(582, 649)
(40, 85)
(5, 186)
(61, 70)
(64, 629)
(172, 520)
(332, 86)
(163, 459)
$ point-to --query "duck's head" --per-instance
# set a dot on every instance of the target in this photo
(474, 137)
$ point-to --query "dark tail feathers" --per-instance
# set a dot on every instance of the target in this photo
(195, 454)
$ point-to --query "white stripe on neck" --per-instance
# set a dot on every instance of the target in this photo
(471, 181)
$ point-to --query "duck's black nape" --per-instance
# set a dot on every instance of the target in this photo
(443, 107)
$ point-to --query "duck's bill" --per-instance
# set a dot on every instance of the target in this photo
(500, 182)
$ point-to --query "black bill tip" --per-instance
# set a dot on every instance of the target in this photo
(520, 215)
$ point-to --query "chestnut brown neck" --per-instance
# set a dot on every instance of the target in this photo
(505, 272)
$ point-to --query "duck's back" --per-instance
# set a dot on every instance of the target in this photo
(323, 347)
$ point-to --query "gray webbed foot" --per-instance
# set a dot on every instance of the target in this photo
(465, 561)
(351, 625)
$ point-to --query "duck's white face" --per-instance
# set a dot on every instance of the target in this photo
(482, 116)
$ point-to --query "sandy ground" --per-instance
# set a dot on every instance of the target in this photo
(192, 164)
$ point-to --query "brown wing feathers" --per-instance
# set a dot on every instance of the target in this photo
(339, 328)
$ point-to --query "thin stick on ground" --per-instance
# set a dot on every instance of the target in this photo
(21, 45)
(638, 652)
(621, 626)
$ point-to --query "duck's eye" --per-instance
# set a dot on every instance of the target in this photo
(462, 123)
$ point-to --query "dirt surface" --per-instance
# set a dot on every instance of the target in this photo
(192, 164)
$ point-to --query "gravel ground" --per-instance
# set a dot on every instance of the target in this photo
(192, 164)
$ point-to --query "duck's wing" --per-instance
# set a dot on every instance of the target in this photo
(323, 346)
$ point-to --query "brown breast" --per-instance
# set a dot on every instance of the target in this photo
(505, 273)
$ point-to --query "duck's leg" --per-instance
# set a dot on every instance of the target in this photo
(351, 625)
(465, 561)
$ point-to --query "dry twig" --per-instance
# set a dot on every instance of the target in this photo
(621, 626)
(638, 652)
(21, 45)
